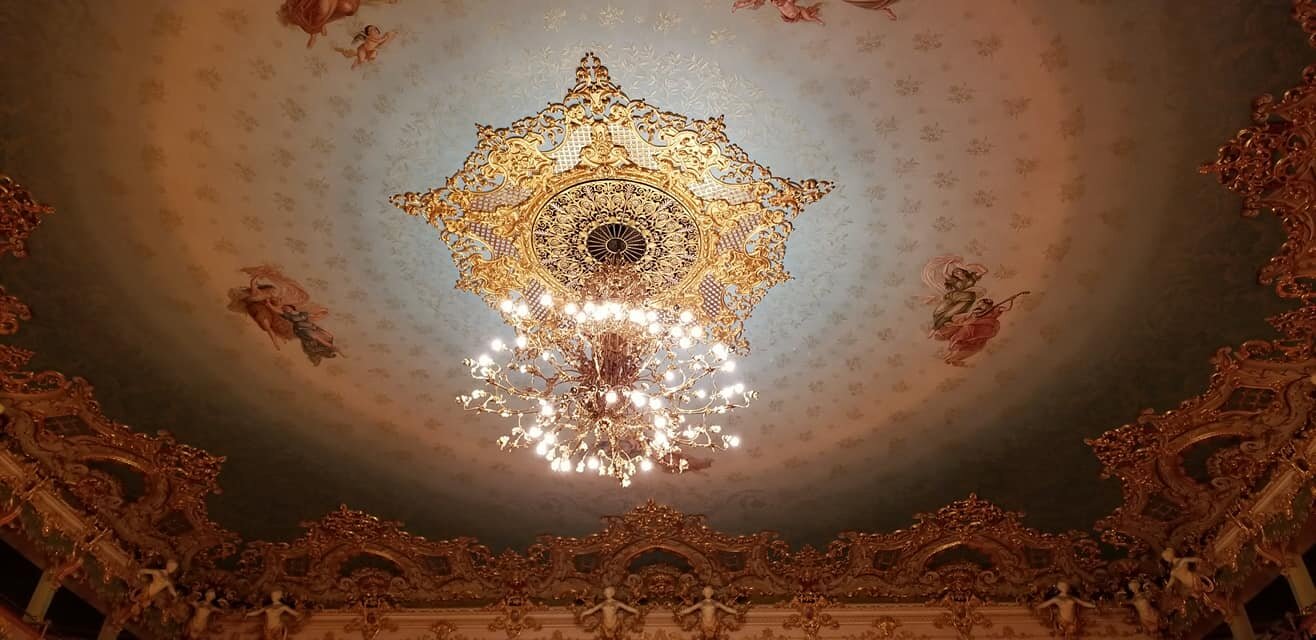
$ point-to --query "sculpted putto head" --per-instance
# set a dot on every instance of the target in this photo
(608, 592)
(708, 591)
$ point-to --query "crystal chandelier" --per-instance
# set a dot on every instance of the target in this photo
(609, 384)
(625, 246)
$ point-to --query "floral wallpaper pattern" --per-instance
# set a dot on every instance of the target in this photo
(1051, 143)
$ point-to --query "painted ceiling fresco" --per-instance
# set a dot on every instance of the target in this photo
(1018, 253)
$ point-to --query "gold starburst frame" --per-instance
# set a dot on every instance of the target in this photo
(519, 214)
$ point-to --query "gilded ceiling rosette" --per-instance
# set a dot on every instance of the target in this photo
(543, 204)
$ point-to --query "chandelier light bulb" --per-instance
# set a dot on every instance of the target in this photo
(546, 300)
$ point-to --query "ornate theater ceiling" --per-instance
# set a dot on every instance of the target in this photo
(204, 158)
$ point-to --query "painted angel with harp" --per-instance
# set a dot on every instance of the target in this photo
(284, 311)
(964, 317)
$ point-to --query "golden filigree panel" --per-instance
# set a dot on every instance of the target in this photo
(518, 215)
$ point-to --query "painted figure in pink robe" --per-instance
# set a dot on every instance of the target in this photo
(790, 12)
(284, 311)
(969, 332)
(313, 16)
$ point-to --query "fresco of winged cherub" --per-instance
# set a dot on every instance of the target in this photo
(367, 43)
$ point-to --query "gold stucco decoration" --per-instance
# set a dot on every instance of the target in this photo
(709, 225)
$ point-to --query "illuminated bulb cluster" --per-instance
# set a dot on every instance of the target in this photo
(606, 387)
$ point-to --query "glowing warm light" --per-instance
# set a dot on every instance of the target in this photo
(612, 387)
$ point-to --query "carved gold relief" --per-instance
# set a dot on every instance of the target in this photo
(372, 617)
(518, 215)
(12, 310)
(54, 422)
(810, 614)
(13, 358)
(20, 214)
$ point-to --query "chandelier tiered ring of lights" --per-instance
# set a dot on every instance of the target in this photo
(625, 247)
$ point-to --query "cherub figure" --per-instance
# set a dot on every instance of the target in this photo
(367, 43)
(612, 623)
(275, 628)
(1184, 575)
(1148, 618)
(710, 626)
(199, 625)
(159, 581)
(1066, 609)
(790, 12)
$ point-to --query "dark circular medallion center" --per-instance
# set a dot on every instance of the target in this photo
(615, 242)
